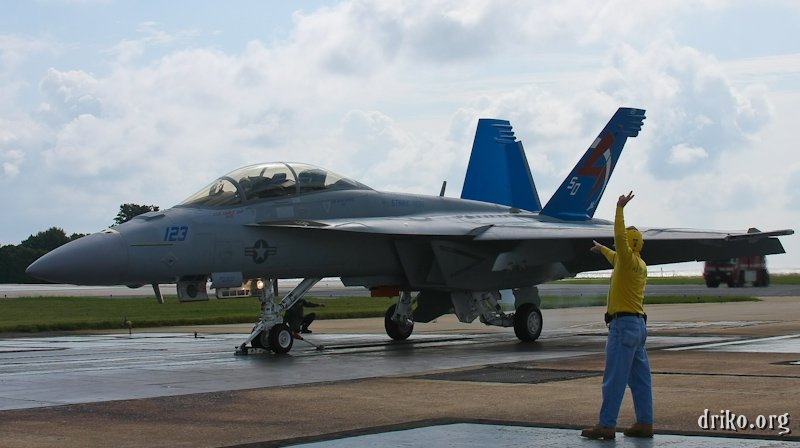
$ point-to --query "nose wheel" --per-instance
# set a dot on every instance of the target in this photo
(278, 339)
(271, 333)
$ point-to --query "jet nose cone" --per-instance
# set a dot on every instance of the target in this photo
(97, 259)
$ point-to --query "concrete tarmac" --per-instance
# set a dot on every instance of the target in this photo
(733, 366)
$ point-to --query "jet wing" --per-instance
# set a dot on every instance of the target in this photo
(662, 245)
(674, 245)
(558, 231)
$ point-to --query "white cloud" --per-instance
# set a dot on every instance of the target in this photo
(14, 50)
(15, 53)
(68, 95)
(690, 103)
(687, 155)
(151, 35)
(793, 184)
(764, 68)
(18, 139)
(11, 160)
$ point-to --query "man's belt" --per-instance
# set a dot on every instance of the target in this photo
(610, 317)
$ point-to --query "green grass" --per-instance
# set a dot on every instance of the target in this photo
(775, 279)
(35, 314)
(32, 314)
(784, 279)
(688, 280)
(551, 302)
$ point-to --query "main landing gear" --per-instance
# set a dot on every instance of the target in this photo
(399, 321)
(526, 318)
(468, 305)
(270, 333)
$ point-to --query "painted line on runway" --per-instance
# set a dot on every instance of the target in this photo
(785, 344)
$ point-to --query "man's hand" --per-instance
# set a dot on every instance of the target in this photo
(596, 247)
(623, 199)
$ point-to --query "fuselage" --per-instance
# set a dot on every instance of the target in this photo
(228, 228)
(163, 246)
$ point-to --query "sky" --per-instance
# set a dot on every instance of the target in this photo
(109, 102)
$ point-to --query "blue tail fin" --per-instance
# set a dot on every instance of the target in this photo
(498, 170)
(577, 198)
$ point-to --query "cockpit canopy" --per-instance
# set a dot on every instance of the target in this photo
(269, 180)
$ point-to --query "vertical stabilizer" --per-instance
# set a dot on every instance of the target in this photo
(498, 170)
(577, 197)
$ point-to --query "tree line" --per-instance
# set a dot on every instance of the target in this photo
(14, 259)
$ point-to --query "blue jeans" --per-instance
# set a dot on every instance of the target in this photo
(626, 364)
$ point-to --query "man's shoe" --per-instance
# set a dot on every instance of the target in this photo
(305, 331)
(598, 432)
(639, 430)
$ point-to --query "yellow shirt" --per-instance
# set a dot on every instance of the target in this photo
(626, 293)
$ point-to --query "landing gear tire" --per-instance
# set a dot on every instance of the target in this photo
(280, 339)
(740, 282)
(395, 330)
(762, 278)
(260, 341)
(528, 322)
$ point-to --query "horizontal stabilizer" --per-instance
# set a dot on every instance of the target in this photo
(577, 197)
(498, 170)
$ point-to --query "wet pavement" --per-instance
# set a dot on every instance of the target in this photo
(775, 344)
(36, 372)
(471, 435)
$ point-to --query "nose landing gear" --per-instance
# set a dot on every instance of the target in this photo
(271, 333)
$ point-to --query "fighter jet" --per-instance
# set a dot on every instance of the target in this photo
(272, 221)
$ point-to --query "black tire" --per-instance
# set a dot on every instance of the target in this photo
(257, 342)
(528, 322)
(260, 341)
(712, 283)
(281, 339)
(740, 282)
(762, 278)
(396, 331)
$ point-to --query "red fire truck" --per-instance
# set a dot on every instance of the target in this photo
(736, 272)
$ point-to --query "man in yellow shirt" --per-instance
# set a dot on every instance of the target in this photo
(626, 358)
